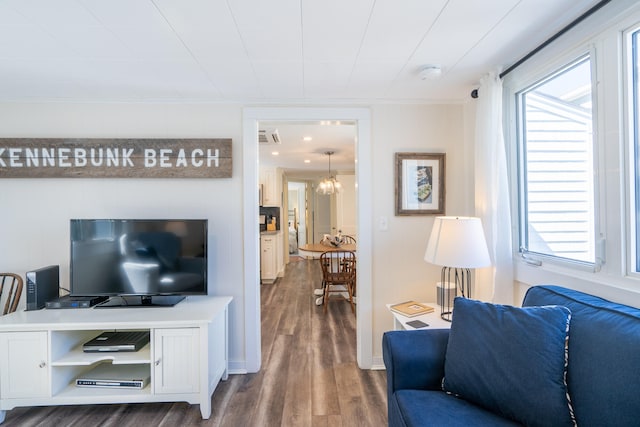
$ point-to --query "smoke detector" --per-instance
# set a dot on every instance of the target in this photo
(430, 72)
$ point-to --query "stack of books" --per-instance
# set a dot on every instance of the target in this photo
(411, 308)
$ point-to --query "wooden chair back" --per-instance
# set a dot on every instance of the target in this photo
(349, 240)
(10, 291)
(338, 274)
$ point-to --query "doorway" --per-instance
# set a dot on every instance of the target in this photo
(364, 202)
(299, 219)
(323, 211)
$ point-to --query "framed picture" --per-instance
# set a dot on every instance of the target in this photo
(420, 183)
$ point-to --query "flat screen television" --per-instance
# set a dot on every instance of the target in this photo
(138, 262)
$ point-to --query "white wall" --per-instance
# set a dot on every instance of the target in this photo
(34, 229)
(34, 219)
(399, 270)
(346, 205)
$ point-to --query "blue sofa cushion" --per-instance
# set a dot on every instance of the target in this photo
(511, 361)
(604, 356)
(435, 408)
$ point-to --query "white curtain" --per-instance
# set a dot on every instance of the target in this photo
(494, 283)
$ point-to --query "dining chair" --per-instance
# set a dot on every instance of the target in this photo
(10, 290)
(349, 240)
(338, 275)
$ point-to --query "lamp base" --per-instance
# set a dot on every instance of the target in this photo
(454, 282)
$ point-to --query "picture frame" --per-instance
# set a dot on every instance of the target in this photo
(420, 183)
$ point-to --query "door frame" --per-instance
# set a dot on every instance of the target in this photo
(323, 215)
(364, 207)
(301, 185)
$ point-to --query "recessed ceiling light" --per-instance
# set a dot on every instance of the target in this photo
(307, 161)
(274, 153)
(307, 138)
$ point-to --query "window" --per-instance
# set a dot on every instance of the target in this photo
(635, 95)
(572, 134)
(556, 197)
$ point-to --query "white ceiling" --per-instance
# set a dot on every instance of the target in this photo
(293, 151)
(258, 51)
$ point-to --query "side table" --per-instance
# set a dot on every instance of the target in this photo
(432, 319)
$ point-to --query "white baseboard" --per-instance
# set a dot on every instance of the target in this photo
(377, 364)
(238, 367)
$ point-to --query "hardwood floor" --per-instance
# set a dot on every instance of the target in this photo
(309, 374)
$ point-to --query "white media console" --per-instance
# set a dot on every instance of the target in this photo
(41, 354)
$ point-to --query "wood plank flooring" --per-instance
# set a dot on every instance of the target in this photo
(309, 374)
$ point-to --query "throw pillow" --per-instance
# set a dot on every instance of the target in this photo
(511, 361)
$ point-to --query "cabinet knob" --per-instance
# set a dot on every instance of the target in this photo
(157, 362)
(42, 365)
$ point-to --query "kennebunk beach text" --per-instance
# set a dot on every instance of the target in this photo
(108, 157)
(115, 158)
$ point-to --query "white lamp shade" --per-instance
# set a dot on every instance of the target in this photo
(457, 241)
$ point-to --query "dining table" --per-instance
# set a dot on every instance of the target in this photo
(314, 250)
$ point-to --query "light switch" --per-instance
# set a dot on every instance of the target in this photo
(383, 223)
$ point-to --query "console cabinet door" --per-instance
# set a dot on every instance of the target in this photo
(176, 364)
(24, 367)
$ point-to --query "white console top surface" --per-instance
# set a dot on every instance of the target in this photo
(192, 311)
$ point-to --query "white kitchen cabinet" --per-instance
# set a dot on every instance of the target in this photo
(280, 253)
(268, 257)
(271, 181)
(271, 256)
(41, 354)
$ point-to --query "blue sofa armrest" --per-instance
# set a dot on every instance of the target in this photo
(414, 359)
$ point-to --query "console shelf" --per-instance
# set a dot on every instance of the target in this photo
(78, 357)
(77, 394)
(42, 354)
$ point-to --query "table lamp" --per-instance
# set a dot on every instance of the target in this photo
(456, 243)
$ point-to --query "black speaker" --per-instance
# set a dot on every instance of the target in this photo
(43, 285)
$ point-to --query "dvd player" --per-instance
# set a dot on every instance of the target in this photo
(68, 301)
(121, 376)
(117, 341)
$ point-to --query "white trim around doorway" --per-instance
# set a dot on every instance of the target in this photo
(364, 205)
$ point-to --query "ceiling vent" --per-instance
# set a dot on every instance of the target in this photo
(268, 136)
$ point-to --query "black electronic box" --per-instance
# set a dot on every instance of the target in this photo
(68, 301)
(43, 285)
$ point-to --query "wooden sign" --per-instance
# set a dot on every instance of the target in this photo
(115, 158)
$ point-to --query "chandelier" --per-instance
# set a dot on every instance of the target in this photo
(330, 184)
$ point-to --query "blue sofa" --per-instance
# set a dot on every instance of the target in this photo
(601, 362)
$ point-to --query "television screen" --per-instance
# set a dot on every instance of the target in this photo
(120, 257)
